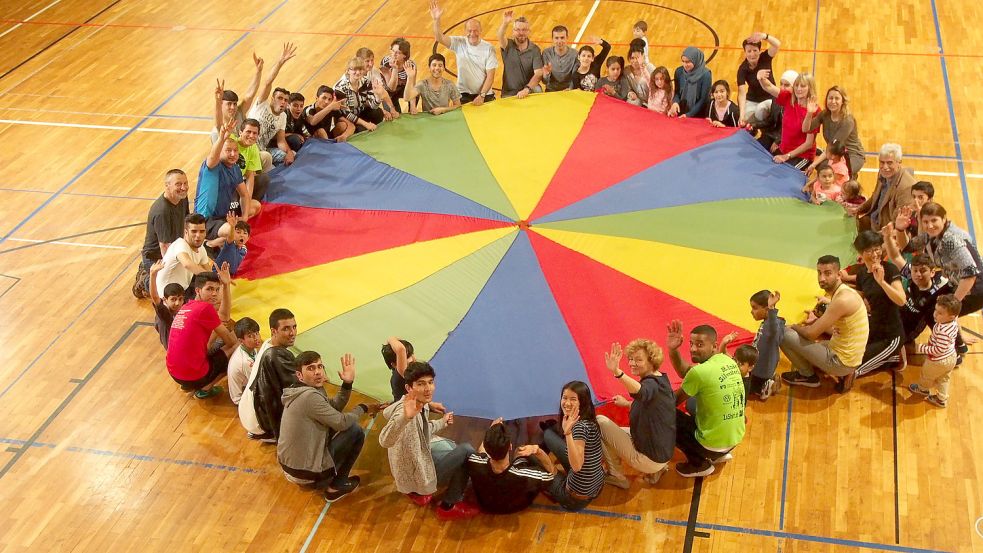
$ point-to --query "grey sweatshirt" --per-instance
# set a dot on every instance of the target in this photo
(308, 414)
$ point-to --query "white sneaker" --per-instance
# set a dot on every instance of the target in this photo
(723, 459)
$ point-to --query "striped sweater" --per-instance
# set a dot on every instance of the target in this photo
(943, 341)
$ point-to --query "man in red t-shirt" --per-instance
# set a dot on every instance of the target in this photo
(192, 361)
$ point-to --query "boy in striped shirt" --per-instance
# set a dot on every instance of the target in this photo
(941, 352)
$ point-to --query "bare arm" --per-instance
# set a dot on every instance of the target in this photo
(837, 309)
(438, 35)
(575, 452)
(767, 85)
(154, 293)
(289, 51)
(965, 285)
(189, 264)
(503, 42)
(225, 310)
(742, 100)
(400, 350)
(246, 101)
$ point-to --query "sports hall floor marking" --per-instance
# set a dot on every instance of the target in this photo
(98, 127)
(60, 243)
(139, 124)
(583, 26)
(61, 240)
(28, 19)
(12, 284)
(80, 194)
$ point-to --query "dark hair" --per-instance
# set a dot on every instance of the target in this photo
(705, 330)
(250, 122)
(194, 219)
(615, 59)
(829, 260)
(324, 89)
(950, 304)
(761, 297)
(585, 47)
(584, 397)
(403, 44)
(306, 358)
(173, 289)
(203, 278)
(636, 45)
(641, 25)
(497, 442)
(723, 83)
(837, 147)
(245, 326)
(281, 89)
(922, 260)
(181, 172)
(278, 315)
(746, 355)
(437, 57)
(389, 356)
(867, 239)
(924, 186)
(932, 209)
(229, 96)
(749, 42)
(824, 166)
(417, 370)
(295, 97)
(242, 225)
(560, 29)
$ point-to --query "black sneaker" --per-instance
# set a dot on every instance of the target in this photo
(342, 488)
(794, 378)
(845, 383)
(936, 400)
(265, 437)
(687, 470)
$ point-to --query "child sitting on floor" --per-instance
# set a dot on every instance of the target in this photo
(234, 252)
(824, 188)
(164, 308)
(241, 362)
(746, 356)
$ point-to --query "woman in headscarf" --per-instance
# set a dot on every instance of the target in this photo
(692, 84)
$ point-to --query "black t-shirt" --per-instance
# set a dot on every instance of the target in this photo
(885, 315)
(748, 76)
(163, 322)
(165, 223)
(296, 125)
(508, 492)
(652, 418)
(918, 311)
(327, 123)
(398, 384)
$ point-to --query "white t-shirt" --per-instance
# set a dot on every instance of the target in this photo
(472, 63)
(247, 408)
(240, 367)
(173, 271)
(269, 124)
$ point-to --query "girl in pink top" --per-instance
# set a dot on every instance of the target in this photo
(660, 90)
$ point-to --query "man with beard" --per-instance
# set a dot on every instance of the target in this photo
(186, 256)
(165, 224)
(893, 191)
(521, 58)
(261, 404)
(844, 317)
(707, 436)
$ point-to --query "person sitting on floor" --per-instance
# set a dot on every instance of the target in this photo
(241, 362)
(418, 462)
(576, 443)
(648, 443)
(715, 382)
(261, 404)
(397, 354)
(504, 486)
(165, 308)
(319, 443)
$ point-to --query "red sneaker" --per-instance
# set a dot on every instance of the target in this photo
(421, 500)
(461, 510)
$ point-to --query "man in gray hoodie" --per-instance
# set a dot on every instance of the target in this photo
(319, 443)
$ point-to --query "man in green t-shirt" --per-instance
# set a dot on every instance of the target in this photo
(707, 436)
(254, 163)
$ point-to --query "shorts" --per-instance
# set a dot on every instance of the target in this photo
(212, 226)
(218, 366)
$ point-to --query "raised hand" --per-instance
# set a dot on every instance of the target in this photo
(812, 106)
(508, 16)
(157, 267)
(613, 358)
(257, 61)
(219, 89)
(227, 129)
(410, 69)
(289, 51)
(596, 40)
(727, 340)
(674, 334)
(764, 74)
(410, 406)
(568, 421)
(347, 372)
(496, 421)
(435, 10)
(223, 274)
(903, 220)
(773, 299)
(620, 401)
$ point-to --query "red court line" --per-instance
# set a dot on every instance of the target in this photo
(430, 37)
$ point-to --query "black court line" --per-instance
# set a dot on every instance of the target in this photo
(68, 399)
(87, 233)
(964, 329)
(59, 39)
(894, 420)
(11, 287)
(694, 510)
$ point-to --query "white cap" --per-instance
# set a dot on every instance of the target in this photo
(789, 76)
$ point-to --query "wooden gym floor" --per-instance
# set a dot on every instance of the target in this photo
(101, 452)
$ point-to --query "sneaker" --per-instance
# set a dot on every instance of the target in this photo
(845, 383)
(342, 488)
(205, 394)
(768, 388)
(265, 437)
(915, 388)
(653, 479)
(687, 470)
(722, 459)
(139, 290)
(461, 510)
(794, 378)
(936, 400)
(617, 481)
(421, 500)
(959, 359)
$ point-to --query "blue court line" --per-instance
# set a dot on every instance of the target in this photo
(83, 194)
(135, 127)
(592, 512)
(952, 121)
(324, 511)
(135, 456)
(343, 44)
(815, 42)
(788, 442)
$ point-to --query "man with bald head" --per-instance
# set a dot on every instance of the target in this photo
(165, 224)
(476, 61)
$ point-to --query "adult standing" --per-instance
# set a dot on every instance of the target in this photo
(753, 101)
(476, 61)
(559, 62)
(165, 224)
(845, 317)
(838, 125)
(522, 61)
(893, 190)
(692, 79)
(797, 147)
(648, 444)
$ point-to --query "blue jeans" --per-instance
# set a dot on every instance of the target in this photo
(345, 447)
(557, 444)
(278, 156)
(449, 460)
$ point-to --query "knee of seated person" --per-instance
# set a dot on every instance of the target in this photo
(465, 448)
(254, 208)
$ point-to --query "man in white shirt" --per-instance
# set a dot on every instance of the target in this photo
(272, 115)
(476, 61)
(186, 256)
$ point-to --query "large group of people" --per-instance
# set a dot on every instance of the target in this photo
(915, 270)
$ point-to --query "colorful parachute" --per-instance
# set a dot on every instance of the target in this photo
(513, 243)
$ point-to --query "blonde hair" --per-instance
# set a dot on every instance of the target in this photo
(652, 351)
(364, 53)
(356, 62)
(809, 81)
(845, 109)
